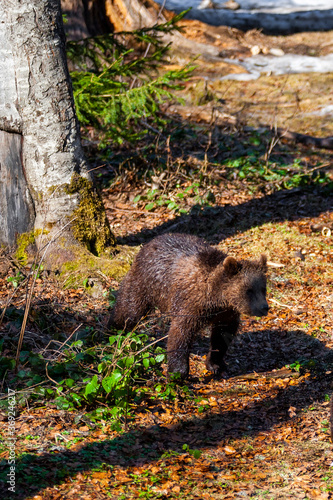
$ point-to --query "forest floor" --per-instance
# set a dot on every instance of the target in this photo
(219, 171)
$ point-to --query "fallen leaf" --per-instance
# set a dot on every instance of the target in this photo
(229, 450)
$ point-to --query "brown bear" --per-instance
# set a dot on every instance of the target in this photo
(197, 286)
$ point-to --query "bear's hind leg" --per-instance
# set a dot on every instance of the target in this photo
(130, 307)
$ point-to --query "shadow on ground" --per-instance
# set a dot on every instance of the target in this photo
(216, 223)
(265, 350)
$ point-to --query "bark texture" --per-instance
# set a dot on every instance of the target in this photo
(15, 198)
(133, 14)
(85, 18)
(37, 103)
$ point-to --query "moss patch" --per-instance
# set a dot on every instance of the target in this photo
(90, 225)
(75, 273)
(24, 241)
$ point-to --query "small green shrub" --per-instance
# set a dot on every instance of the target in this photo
(117, 87)
(102, 378)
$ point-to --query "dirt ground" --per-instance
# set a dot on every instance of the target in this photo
(236, 44)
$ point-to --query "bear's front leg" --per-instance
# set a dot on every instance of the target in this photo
(178, 350)
(221, 337)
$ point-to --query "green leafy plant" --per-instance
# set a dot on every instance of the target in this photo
(154, 199)
(16, 280)
(194, 453)
(121, 363)
(302, 364)
(325, 425)
(254, 168)
(202, 407)
(101, 378)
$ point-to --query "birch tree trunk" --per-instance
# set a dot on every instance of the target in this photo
(44, 177)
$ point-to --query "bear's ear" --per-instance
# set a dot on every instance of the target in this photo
(230, 266)
(263, 261)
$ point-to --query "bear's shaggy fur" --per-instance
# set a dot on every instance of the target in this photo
(197, 286)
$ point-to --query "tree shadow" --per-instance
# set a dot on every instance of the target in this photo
(267, 350)
(216, 223)
(147, 445)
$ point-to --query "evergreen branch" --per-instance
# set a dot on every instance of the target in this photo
(113, 84)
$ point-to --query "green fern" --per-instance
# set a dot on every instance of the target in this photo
(117, 88)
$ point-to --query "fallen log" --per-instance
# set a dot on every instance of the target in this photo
(283, 373)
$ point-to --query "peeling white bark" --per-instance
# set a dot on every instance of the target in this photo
(10, 119)
(36, 101)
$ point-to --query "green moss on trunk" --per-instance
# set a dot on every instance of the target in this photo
(90, 225)
(76, 272)
(24, 241)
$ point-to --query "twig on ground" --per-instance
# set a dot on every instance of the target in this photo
(57, 351)
(35, 273)
(274, 264)
(282, 305)
(48, 376)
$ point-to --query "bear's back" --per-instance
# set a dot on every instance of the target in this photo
(172, 263)
(178, 245)
(168, 249)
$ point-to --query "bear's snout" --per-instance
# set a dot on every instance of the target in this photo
(263, 309)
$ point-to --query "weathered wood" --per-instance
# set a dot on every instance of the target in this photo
(85, 18)
(103, 16)
(96, 17)
(16, 206)
(308, 140)
(75, 25)
(133, 14)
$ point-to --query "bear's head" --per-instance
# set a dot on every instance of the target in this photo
(246, 285)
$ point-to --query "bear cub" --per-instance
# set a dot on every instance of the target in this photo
(197, 286)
